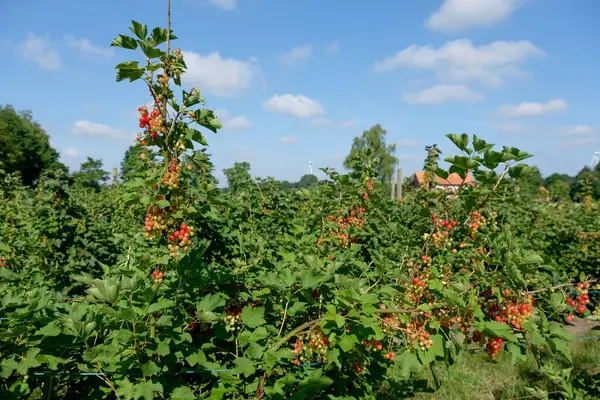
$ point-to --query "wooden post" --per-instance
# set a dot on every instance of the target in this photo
(392, 187)
(399, 183)
(115, 173)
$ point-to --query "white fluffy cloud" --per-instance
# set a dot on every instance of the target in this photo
(288, 139)
(85, 46)
(239, 122)
(224, 4)
(531, 109)
(459, 15)
(331, 123)
(460, 61)
(577, 142)
(296, 54)
(223, 77)
(93, 129)
(442, 94)
(579, 130)
(295, 105)
(229, 122)
(70, 152)
(39, 50)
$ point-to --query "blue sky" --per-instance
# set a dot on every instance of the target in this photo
(297, 81)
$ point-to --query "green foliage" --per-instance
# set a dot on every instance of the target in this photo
(24, 145)
(91, 174)
(431, 164)
(307, 181)
(135, 162)
(583, 185)
(238, 177)
(560, 191)
(371, 147)
(165, 287)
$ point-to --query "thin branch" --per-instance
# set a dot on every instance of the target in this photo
(557, 287)
(284, 317)
(295, 331)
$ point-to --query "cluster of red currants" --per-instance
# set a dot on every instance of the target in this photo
(493, 346)
(477, 222)
(313, 343)
(373, 345)
(157, 276)
(417, 336)
(171, 176)
(181, 238)
(582, 298)
(510, 313)
(153, 122)
(154, 223)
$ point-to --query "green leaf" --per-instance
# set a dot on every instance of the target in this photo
(480, 145)
(460, 141)
(491, 159)
(163, 203)
(150, 369)
(149, 50)
(435, 284)
(210, 302)
(512, 153)
(129, 70)
(125, 389)
(537, 339)
(159, 36)
(52, 329)
(197, 357)
(183, 393)
(51, 361)
(408, 363)
(314, 383)
(517, 353)
(162, 304)
(147, 390)
(560, 332)
(560, 346)
(254, 350)
(28, 361)
(462, 162)
(244, 366)
(498, 329)
(126, 42)
(347, 342)
(442, 173)
(139, 30)
(253, 317)
(521, 170)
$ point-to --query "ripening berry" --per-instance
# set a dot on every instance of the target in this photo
(569, 318)
(581, 309)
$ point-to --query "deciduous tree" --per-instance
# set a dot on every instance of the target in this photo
(24, 145)
(371, 146)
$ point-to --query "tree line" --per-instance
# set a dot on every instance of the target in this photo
(25, 148)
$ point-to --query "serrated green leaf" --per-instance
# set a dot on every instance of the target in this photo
(498, 329)
(126, 42)
(253, 317)
(244, 366)
(183, 393)
(140, 30)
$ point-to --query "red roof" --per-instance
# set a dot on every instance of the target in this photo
(453, 179)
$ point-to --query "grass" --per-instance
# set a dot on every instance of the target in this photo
(474, 377)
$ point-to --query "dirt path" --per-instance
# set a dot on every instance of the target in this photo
(581, 326)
